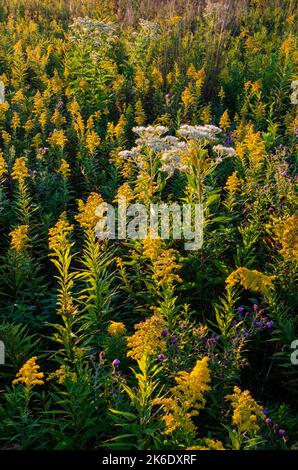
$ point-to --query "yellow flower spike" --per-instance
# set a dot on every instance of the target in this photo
(20, 171)
(225, 122)
(232, 183)
(287, 233)
(251, 280)
(246, 411)
(147, 340)
(64, 169)
(187, 398)
(58, 138)
(164, 268)
(19, 237)
(87, 217)
(92, 141)
(29, 374)
(116, 329)
(3, 165)
(58, 235)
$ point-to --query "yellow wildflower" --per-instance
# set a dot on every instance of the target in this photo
(253, 147)
(232, 183)
(288, 237)
(58, 235)
(57, 119)
(29, 125)
(15, 121)
(74, 108)
(19, 237)
(208, 444)
(188, 98)
(116, 328)
(152, 247)
(20, 171)
(246, 411)
(225, 122)
(119, 130)
(64, 168)
(251, 280)
(164, 267)
(58, 138)
(187, 398)
(125, 191)
(92, 141)
(3, 165)
(205, 114)
(62, 374)
(29, 374)
(87, 217)
(140, 115)
(6, 137)
(147, 340)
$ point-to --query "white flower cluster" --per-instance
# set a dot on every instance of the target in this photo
(149, 29)
(224, 150)
(207, 132)
(95, 32)
(171, 149)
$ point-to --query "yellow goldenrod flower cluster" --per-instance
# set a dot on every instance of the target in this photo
(62, 374)
(125, 191)
(20, 171)
(287, 233)
(3, 165)
(87, 217)
(251, 280)
(116, 328)
(225, 122)
(92, 141)
(252, 147)
(58, 139)
(147, 340)
(164, 267)
(232, 183)
(58, 235)
(29, 374)
(152, 247)
(187, 398)
(246, 411)
(208, 444)
(19, 237)
(64, 169)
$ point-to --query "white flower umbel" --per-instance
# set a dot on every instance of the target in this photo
(224, 150)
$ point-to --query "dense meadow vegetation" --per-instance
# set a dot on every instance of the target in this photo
(143, 344)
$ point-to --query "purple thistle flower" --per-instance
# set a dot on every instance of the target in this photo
(284, 173)
(269, 324)
(246, 334)
(240, 309)
(269, 421)
(116, 362)
(164, 332)
(161, 357)
(173, 340)
(265, 411)
(281, 432)
(256, 308)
